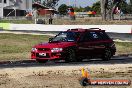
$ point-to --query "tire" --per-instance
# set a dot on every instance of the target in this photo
(107, 55)
(70, 55)
(84, 81)
(79, 59)
(41, 61)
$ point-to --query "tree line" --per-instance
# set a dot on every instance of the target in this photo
(125, 7)
(109, 8)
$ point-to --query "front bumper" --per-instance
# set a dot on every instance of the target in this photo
(48, 56)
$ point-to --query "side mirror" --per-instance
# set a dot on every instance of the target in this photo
(50, 39)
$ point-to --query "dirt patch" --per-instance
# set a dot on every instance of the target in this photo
(60, 76)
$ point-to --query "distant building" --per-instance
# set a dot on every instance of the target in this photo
(14, 7)
(42, 10)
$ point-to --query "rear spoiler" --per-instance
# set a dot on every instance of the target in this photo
(81, 29)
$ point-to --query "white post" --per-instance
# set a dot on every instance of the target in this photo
(1, 9)
(15, 13)
(119, 14)
(35, 15)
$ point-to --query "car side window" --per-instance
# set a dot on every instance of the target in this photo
(104, 35)
(95, 36)
(86, 37)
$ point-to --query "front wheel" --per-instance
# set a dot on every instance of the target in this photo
(71, 57)
(107, 55)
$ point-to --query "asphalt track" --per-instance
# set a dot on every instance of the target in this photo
(33, 63)
(127, 59)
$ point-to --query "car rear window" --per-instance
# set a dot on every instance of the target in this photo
(90, 36)
(103, 35)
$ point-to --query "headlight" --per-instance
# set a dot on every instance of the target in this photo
(34, 49)
(56, 50)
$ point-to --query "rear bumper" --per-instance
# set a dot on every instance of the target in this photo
(49, 56)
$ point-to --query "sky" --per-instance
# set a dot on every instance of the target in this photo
(82, 3)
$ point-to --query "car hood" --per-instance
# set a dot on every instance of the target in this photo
(55, 45)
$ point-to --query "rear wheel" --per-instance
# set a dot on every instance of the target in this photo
(41, 61)
(107, 55)
(79, 58)
(71, 56)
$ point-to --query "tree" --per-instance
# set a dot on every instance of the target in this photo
(87, 8)
(103, 9)
(131, 2)
(79, 9)
(129, 8)
(36, 0)
(96, 7)
(63, 9)
(50, 3)
(108, 7)
(125, 7)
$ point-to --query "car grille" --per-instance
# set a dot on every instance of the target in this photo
(47, 55)
(43, 49)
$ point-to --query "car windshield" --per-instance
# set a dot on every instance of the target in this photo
(66, 37)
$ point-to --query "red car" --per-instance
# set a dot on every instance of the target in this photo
(75, 45)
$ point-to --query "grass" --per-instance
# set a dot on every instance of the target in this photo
(124, 48)
(78, 21)
(18, 21)
(18, 46)
(91, 21)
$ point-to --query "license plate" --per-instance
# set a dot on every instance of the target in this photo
(42, 54)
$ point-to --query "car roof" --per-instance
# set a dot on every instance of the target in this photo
(85, 30)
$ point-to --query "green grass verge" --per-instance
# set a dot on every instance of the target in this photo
(124, 47)
(18, 46)
(78, 21)
(18, 21)
(4, 26)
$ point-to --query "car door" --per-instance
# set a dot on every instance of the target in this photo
(85, 45)
(91, 44)
(98, 43)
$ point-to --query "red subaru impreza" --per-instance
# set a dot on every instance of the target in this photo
(74, 45)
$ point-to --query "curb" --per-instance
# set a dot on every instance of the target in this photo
(123, 55)
(15, 62)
